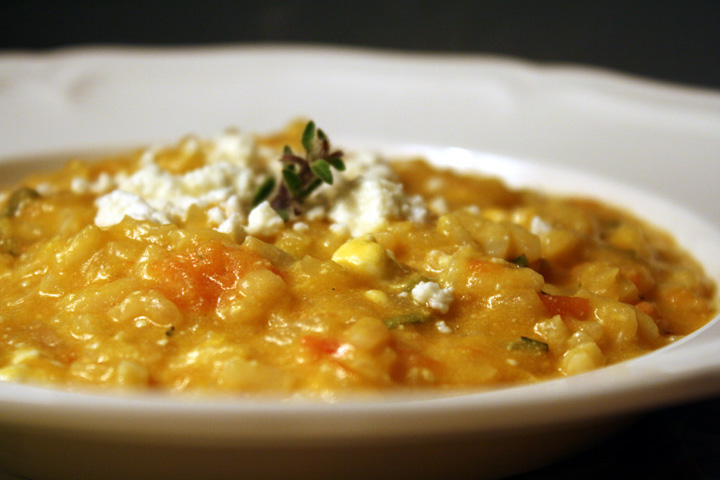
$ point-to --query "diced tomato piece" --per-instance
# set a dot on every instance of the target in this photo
(576, 307)
(195, 280)
(320, 346)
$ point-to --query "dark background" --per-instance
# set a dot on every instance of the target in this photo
(672, 41)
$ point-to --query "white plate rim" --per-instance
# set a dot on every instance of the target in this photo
(558, 401)
(644, 383)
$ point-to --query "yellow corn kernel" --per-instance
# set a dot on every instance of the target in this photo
(365, 257)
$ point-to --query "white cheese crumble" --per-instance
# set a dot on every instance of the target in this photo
(174, 195)
(433, 296)
(362, 200)
(232, 146)
(264, 220)
(233, 226)
(152, 193)
(79, 185)
(340, 229)
(315, 213)
(115, 206)
(301, 227)
(216, 215)
(102, 184)
(368, 195)
(442, 327)
(369, 203)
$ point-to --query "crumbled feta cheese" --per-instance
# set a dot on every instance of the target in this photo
(416, 211)
(362, 200)
(203, 180)
(102, 184)
(264, 220)
(79, 185)
(301, 227)
(233, 147)
(115, 206)
(173, 195)
(315, 213)
(340, 229)
(366, 196)
(366, 164)
(216, 215)
(442, 327)
(367, 205)
(433, 296)
(233, 226)
(155, 194)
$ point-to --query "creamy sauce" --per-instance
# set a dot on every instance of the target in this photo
(156, 270)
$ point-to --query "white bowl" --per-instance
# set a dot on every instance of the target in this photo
(101, 98)
(485, 434)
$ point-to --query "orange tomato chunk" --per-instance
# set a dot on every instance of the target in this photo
(195, 280)
(320, 346)
(565, 306)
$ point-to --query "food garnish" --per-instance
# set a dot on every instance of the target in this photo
(301, 175)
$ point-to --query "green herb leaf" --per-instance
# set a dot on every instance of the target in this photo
(407, 283)
(283, 214)
(321, 168)
(521, 261)
(263, 191)
(529, 345)
(308, 137)
(315, 183)
(337, 163)
(301, 175)
(17, 200)
(406, 319)
(292, 179)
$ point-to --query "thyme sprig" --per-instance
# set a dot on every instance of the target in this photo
(301, 175)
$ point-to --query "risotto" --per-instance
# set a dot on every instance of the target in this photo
(276, 264)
